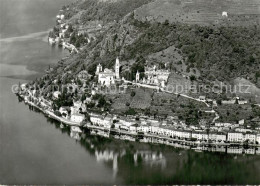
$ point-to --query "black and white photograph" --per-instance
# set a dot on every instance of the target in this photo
(129, 92)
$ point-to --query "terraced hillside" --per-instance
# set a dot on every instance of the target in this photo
(203, 12)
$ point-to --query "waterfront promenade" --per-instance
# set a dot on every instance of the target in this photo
(162, 139)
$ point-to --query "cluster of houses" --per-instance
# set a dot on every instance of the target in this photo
(74, 112)
(171, 128)
(60, 39)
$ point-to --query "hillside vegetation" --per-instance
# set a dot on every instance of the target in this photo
(142, 32)
(202, 12)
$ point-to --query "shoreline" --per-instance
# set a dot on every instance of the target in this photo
(155, 139)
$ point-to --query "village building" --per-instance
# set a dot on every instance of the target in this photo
(223, 124)
(250, 137)
(155, 76)
(78, 118)
(241, 122)
(133, 128)
(202, 98)
(182, 134)
(143, 128)
(224, 14)
(200, 136)
(56, 94)
(153, 129)
(228, 102)
(242, 102)
(64, 111)
(218, 137)
(83, 75)
(62, 16)
(77, 104)
(74, 110)
(101, 121)
(258, 138)
(23, 86)
(235, 137)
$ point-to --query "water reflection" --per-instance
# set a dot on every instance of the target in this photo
(155, 163)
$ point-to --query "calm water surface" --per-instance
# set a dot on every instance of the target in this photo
(34, 150)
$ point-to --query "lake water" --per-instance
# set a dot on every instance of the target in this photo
(34, 150)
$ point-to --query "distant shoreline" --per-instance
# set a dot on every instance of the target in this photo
(24, 37)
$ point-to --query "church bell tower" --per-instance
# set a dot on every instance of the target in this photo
(117, 68)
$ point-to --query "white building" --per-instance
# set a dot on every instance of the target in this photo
(223, 124)
(228, 102)
(101, 121)
(241, 122)
(182, 134)
(218, 137)
(77, 104)
(63, 111)
(56, 94)
(242, 102)
(224, 14)
(155, 76)
(258, 138)
(202, 98)
(143, 128)
(74, 110)
(235, 137)
(133, 128)
(200, 135)
(250, 137)
(23, 86)
(77, 118)
(62, 16)
(153, 129)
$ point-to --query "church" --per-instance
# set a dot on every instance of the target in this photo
(108, 76)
